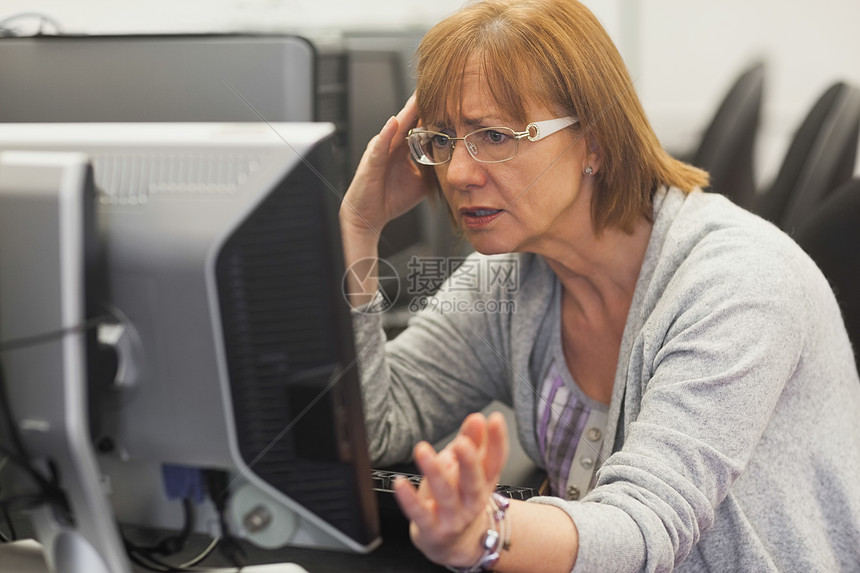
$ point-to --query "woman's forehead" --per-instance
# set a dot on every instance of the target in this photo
(479, 94)
(483, 110)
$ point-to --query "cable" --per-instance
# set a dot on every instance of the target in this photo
(36, 339)
(206, 553)
(7, 30)
(219, 490)
(141, 561)
(145, 556)
(3, 537)
(50, 491)
(13, 535)
(175, 543)
(151, 563)
(50, 488)
(26, 501)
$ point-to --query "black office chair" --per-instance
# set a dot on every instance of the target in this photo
(727, 145)
(831, 236)
(821, 157)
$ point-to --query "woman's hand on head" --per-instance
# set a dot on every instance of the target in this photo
(447, 512)
(386, 183)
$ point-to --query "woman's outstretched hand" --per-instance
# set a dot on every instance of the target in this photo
(447, 512)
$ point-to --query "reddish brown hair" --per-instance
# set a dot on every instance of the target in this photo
(555, 53)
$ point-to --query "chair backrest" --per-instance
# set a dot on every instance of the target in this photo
(831, 236)
(821, 157)
(727, 145)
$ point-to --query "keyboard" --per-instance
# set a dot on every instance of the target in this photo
(383, 484)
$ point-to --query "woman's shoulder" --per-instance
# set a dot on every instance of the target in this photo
(709, 222)
(713, 247)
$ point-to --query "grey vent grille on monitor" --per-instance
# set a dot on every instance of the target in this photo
(130, 179)
(279, 301)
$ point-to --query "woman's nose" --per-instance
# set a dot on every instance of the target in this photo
(463, 170)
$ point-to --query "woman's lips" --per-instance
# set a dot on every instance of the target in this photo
(479, 217)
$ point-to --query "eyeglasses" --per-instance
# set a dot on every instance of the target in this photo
(487, 145)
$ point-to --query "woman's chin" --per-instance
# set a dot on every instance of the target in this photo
(486, 247)
(490, 240)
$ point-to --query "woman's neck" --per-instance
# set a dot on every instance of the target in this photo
(602, 269)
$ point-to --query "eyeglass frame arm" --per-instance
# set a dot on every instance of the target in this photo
(545, 128)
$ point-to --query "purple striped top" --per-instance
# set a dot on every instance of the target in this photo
(563, 413)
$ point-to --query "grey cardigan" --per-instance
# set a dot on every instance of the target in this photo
(733, 441)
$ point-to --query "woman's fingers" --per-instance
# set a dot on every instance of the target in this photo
(406, 118)
(491, 440)
(437, 473)
(498, 446)
(377, 152)
(416, 509)
(473, 485)
(474, 427)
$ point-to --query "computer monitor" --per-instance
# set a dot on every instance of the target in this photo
(176, 78)
(354, 78)
(232, 338)
(170, 78)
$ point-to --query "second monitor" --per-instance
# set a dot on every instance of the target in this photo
(233, 338)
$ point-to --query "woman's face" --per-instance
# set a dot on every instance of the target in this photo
(526, 202)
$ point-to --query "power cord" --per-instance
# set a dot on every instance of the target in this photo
(218, 484)
(48, 488)
(6, 30)
(149, 557)
(13, 450)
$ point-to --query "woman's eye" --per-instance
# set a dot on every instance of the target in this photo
(493, 136)
(440, 140)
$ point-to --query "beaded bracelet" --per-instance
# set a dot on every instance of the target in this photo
(494, 540)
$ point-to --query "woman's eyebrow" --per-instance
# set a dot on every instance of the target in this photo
(468, 122)
(483, 120)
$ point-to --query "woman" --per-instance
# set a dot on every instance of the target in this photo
(677, 365)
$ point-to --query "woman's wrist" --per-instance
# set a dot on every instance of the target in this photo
(495, 539)
(354, 223)
(359, 234)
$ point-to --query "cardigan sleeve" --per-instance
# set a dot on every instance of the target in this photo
(451, 360)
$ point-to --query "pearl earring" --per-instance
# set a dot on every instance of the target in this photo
(589, 170)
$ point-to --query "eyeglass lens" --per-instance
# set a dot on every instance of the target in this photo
(488, 145)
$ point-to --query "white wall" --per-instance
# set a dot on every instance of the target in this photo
(683, 54)
(120, 16)
(691, 51)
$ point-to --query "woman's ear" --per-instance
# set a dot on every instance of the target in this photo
(595, 154)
